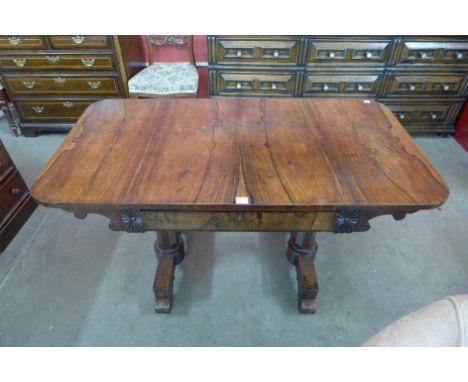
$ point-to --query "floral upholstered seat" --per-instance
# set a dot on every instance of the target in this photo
(165, 78)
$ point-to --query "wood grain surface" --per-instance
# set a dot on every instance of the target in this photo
(272, 154)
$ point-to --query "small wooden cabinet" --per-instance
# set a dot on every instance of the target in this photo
(16, 203)
(423, 79)
(51, 79)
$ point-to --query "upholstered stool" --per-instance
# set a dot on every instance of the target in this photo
(443, 323)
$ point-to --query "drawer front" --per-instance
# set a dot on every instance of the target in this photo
(56, 111)
(12, 192)
(21, 42)
(325, 84)
(5, 162)
(425, 52)
(349, 52)
(409, 85)
(233, 83)
(256, 51)
(65, 85)
(57, 62)
(425, 114)
(79, 42)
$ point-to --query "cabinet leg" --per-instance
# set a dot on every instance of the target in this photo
(301, 252)
(169, 248)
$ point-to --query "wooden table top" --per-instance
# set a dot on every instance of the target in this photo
(218, 154)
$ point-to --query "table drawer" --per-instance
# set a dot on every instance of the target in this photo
(252, 83)
(67, 85)
(79, 42)
(433, 52)
(267, 51)
(416, 85)
(349, 52)
(5, 162)
(12, 192)
(21, 42)
(425, 113)
(66, 110)
(57, 62)
(331, 84)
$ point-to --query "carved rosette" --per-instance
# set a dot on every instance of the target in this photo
(346, 221)
(133, 221)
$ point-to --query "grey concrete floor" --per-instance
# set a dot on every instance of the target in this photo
(69, 282)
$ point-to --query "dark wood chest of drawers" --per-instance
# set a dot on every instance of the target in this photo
(422, 79)
(16, 203)
(52, 79)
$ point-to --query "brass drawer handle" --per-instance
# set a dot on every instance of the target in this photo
(88, 61)
(38, 109)
(369, 55)
(446, 87)
(94, 84)
(360, 87)
(239, 53)
(15, 191)
(20, 62)
(60, 80)
(411, 87)
(239, 85)
(78, 39)
(275, 53)
(423, 55)
(459, 55)
(331, 54)
(14, 40)
(53, 59)
(433, 115)
(68, 104)
(29, 84)
(325, 87)
(401, 116)
(273, 86)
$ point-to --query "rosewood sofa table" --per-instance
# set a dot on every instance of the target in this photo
(293, 165)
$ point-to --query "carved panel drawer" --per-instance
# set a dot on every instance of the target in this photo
(12, 191)
(349, 52)
(429, 116)
(417, 85)
(64, 111)
(79, 42)
(57, 62)
(251, 83)
(333, 84)
(66, 85)
(21, 42)
(433, 52)
(251, 51)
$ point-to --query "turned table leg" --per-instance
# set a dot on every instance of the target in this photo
(169, 248)
(301, 252)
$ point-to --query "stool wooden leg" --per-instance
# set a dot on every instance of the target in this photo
(6, 107)
(169, 248)
(301, 252)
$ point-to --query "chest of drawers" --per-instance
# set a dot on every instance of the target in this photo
(423, 79)
(16, 203)
(52, 79)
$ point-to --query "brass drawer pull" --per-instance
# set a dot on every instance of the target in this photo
(20, 62)
(273, 86)
(275, 53)
(239, 53)
(15, 191)
(14, 40)
(29, 84)
(94, 84)
(60, 80)
(325, 87)
(239, 85)
(401, 116)
(423, 55)
(53, 59)
(369, 55)
(446, 87)
(459, 55)
(433, 116)
(88, 61)
(68, 104)
(360, 87)
(38, 109)
(78, 39)
(331, 54)
(411, 87)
